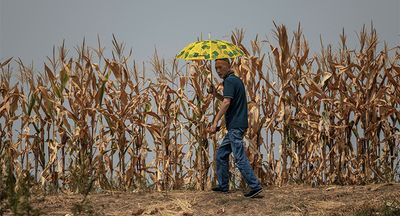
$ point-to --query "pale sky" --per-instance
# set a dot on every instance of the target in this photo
(30, 28)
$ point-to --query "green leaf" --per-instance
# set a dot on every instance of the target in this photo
(31, 104)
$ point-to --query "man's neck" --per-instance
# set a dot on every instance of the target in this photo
(229, 73)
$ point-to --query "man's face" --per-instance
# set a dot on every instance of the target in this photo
(222, 68)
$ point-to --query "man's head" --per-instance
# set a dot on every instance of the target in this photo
(223, 67)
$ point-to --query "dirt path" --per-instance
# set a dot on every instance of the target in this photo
(287, 200)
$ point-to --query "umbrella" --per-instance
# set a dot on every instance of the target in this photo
(209, 50)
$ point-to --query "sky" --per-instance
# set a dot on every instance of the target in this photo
(29, 29)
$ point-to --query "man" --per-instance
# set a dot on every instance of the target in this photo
(234, 106)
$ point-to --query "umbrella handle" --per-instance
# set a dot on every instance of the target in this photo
(212, 80)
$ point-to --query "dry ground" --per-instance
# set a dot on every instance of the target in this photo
(377, 199)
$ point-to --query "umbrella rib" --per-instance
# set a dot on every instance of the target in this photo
(210, 50)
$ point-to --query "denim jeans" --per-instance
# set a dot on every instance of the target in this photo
(233, 142)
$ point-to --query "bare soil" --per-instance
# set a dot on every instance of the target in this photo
(376, 199)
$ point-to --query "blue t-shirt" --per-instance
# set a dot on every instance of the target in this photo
(236, 115)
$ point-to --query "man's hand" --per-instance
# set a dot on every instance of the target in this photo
(212, 129)
(212, 90)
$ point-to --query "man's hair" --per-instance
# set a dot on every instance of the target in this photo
(225, 60)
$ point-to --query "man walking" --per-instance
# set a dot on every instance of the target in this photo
(234, 107)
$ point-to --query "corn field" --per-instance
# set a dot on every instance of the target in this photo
(88, 122)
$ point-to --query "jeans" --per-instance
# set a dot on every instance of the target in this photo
(233, 142)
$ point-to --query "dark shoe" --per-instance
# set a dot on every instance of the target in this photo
(253, 193)
(219, 189)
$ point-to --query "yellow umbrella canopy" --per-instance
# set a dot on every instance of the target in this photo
(210, 50)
